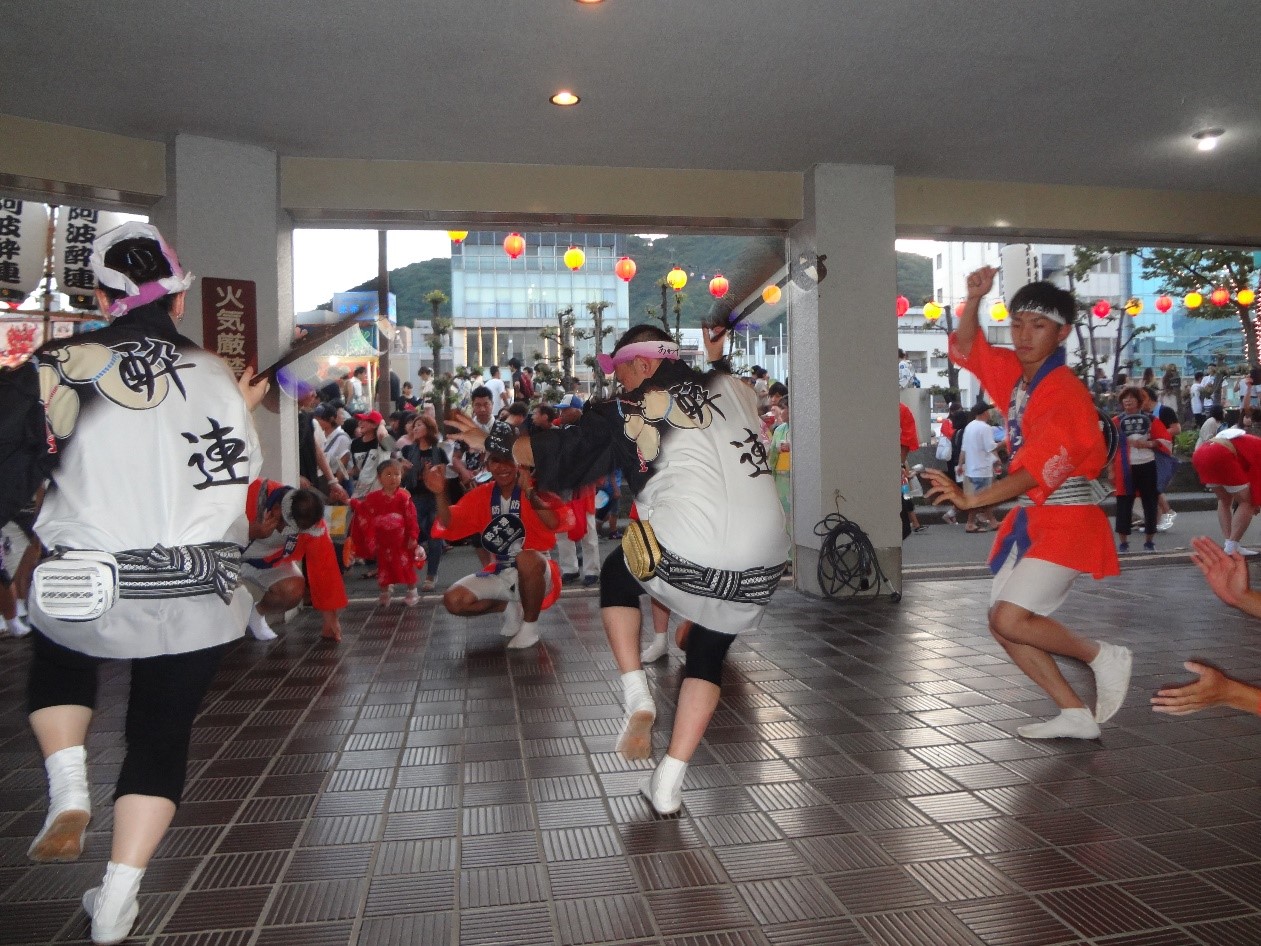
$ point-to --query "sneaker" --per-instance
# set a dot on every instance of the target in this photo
(568, 578)
(1111, 668)
(1166, 522)
(1149, 546)
(920, 529)
(1123, 547)
(427, 585)
(1246, 552)
(589, 581)
(411, 599)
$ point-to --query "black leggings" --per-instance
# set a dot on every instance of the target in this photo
(1143, 476)
(165, 694)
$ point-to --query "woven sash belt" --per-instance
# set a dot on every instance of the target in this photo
(181, 571)
(1074, 491)
(751, 586)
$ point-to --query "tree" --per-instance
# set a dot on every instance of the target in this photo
(563, 335)
(598, 331)
(1181, 271)
(1086, 258)
(440, 326)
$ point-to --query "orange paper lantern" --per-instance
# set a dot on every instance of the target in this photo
(771, 294)
(718, 286)
(514, 245)
(1219, 296)
(625, 269)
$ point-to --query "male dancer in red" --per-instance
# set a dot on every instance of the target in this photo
(1058, 531)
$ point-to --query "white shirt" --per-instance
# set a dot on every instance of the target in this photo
(1197, 397)
(978, 449)
(497, 389)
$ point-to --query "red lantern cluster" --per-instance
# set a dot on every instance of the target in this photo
(1163, 303)
(514, 245)
(1102, 309)
(902, 306)
(718, 286)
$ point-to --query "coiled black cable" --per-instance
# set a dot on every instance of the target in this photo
(847, 561)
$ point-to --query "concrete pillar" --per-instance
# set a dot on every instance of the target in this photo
(844, 388)
(222, 214)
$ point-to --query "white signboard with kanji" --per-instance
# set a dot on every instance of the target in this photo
(77, 229)
(23, 245)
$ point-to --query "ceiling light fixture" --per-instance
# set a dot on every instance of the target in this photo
(589, 2)
(564, 97)
(1206, 140)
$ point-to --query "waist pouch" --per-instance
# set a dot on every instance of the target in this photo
(82, 584)
(639, 545)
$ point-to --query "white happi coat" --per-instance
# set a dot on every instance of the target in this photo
(155, 446)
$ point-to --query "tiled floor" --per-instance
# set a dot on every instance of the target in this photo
(859, 787)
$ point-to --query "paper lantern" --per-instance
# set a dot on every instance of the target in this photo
(998, 312)
(1163, 303)
(1219, 296)
(718, 286)
(771, 294)
(676, 279)
(1246, 297)
(457, 236)
(932, 311)
(902, 305)
(1133, 306)
(1193, 300)
(574, 258)
(1102, 309)
(959, 307)
(625, 269)
(514, 245)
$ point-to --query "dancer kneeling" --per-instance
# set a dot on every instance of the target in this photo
(687, 445)
(517, 528)
(1058, 531)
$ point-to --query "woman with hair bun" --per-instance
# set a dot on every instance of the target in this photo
(149, 448)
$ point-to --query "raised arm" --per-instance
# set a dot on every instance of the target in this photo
(980, 282)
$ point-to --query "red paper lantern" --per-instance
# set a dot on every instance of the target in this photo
(1102, 309)
(1219, 296)
(959, 307)
(625, 269)
(902, 305)
(718, 286)
(1163, 304)
(514, 245)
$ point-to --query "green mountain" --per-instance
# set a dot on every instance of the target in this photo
(747, 262)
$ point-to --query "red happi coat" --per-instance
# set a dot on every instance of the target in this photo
(311, 546)
(1061, 439)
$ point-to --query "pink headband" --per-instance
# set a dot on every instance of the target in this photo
(651, 349)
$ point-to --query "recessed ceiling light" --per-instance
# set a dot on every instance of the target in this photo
(564, 97)
(590, 1)
(1206, 140)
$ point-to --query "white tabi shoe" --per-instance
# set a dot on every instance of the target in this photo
(259, 627)
(664, 788)
(1070, 724)
(659, 647)
(113, 906)
(1111, 667)
(514, 617)
(635, 739)
(69, 807)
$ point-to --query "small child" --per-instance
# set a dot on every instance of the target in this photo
(392, 532)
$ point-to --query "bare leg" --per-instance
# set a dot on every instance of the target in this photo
(60, 727)
(1223, 511)
(698, 699)
(531, 583)
(1242, 518)
(621, 626)
(1031, 640)
(140, 821)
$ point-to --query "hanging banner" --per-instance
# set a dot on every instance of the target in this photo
(77, 229)
(18, 341)
(229, 321)
(23, 245)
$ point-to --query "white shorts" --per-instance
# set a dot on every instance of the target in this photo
(258, 581)
(1034, 584)
(500, 587)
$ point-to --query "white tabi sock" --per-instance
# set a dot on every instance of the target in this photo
(69, 807)
(259, 627)
(528, 636)
(664, 788)
(659, 647)
(514, 615)
(112, 906)
(1077, 723)
(1230, 546)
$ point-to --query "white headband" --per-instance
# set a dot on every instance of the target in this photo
(178, 281)
(1034, 309)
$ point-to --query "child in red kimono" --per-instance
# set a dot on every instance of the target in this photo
(390, 531)
(1058, 530)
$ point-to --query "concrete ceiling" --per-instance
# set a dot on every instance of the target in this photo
(1055, 91)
